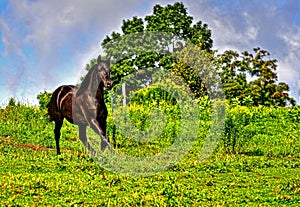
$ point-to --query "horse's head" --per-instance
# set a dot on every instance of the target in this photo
(103, 71)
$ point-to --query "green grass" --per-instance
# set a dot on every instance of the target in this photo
(264, 170)
(41, 178)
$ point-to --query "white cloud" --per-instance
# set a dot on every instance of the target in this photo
(292, 38)
(47, 25)
(290, 63)
(8, 40)
(231, 26)
(50, 40)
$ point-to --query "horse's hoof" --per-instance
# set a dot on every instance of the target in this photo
(106, 147)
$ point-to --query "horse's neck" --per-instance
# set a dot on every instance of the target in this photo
(90, 85)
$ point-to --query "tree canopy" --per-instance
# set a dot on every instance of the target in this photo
(169, 27)
(248, 78)
(251, 78)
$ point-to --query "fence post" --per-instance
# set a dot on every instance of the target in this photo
(124, 94)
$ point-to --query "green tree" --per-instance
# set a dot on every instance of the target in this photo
(253, 75)
(233, 75)
(195, 67)
(139, 46)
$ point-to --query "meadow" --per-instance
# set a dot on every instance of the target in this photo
(256, 163)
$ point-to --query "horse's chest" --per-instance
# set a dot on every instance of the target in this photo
(102, 111)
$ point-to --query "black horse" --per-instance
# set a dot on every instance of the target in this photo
(83, 106)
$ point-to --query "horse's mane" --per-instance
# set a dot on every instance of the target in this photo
(86, 81)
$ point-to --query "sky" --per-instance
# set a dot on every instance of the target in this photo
(45, 44)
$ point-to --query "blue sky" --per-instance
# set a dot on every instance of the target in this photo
(44, 44)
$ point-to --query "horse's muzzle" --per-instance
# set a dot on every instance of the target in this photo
(109, 85)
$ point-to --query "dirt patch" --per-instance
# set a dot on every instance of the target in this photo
(5, 138)
(35, 147)
(10, 141)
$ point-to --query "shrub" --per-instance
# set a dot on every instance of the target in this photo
(44, 98)
(236, 122)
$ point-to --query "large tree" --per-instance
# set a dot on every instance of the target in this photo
(152, 41)
(253, 76)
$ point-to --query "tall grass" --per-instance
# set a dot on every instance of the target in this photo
(265, 131)
(29, 124)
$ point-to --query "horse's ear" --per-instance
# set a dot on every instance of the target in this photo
(99, 59)
(108, 60)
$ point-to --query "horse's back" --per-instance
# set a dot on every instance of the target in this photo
(64, 89)
(59, 96)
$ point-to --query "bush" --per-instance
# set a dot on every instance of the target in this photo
(148, 121)
(236, 122)
(44, 99)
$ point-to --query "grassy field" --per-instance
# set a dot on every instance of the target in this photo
(262, 169)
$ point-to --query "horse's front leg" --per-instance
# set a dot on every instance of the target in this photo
(83, 138)
(104, 140)
(102, 124)
(90, 115)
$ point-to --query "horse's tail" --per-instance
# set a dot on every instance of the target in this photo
(50, 109)
(52, 105)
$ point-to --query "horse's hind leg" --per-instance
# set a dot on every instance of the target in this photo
(58, 125)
